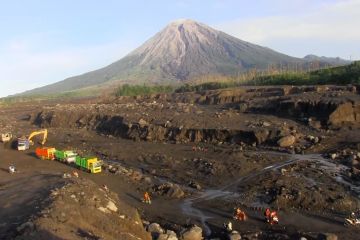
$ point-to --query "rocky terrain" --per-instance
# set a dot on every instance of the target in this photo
(77, 211)
(254, 116)
(199, 155)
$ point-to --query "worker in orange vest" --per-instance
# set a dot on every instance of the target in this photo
(147, 198)
(274, 218)
(240, 215)
(271, 216)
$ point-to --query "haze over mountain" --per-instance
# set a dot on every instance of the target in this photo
(329, 60)
(182, 50)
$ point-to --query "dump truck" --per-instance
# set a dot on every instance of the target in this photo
(66, 156)
(90, 164)
(24, 143)
(46, 153)
(6, 137)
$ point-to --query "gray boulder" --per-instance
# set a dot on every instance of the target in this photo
(155, 229)
(193, 233)
(169, 235)
(170, 190)
(234, 235)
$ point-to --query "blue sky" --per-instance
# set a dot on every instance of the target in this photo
(43, 42)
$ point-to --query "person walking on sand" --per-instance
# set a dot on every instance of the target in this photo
(147, 198)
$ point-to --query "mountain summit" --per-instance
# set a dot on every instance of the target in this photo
(186, 48)
(182, 50)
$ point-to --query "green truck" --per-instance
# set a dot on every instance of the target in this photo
(90, 164)
(65, 156)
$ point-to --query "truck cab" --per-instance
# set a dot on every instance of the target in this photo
(95, 166)
(23, 144)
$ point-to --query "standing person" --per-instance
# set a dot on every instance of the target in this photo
(228, 227)
(240, 215)
(267, 214)
(12, 169)
(274, 218)
(147, 198)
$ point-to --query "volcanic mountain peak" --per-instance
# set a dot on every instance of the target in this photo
(184, 49)
(174, 41)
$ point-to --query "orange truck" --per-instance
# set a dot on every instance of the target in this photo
(45, 153)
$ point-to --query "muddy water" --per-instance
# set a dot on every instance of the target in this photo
(189, 209)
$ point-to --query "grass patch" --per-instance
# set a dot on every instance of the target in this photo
(343, 75)
(349, 74)
(135, 90)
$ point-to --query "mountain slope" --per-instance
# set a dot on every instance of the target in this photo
(182, 50)
(329, 60)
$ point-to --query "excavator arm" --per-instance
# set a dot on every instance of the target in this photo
(44, 132)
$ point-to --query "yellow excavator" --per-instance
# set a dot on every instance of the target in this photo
(24, 143)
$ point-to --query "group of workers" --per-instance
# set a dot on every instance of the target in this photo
(271, 217)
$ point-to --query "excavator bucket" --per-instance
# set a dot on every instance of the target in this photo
(44, 132)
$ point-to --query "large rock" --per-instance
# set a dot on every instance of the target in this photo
(343, 113)
(234, 235)
(261, 135)
(170, 190)
(251, 235)
(193, 233)
(169, 235)
(327, 236)
(112, 206)
(143, 123)
(175, 192)
(286, 141)
(155, 229)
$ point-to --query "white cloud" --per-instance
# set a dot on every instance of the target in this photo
(328, 24)
(23, 68)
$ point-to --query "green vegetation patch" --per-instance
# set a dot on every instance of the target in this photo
(349, 74)
(135, 90)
